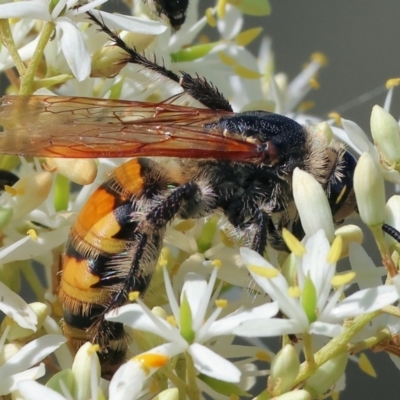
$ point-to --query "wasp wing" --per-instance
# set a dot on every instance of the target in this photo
(79, 127)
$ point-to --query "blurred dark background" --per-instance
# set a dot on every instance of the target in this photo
(360, 39)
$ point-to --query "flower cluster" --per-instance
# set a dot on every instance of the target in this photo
(207, 289)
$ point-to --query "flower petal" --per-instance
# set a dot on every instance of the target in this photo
(74, 49)
(25, 9)
(211, 364)
(16, 308)
(325, 329)
(131, 24)
(226, 325)
(9, 384)
(364, 301)
(137, 317)
(32, 390)
(270, 327)
(31, 354)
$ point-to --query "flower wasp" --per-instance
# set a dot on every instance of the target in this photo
(189, 162)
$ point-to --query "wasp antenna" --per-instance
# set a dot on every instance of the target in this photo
(391, 231)
(197, 88)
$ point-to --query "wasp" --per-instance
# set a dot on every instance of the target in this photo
(186, 163)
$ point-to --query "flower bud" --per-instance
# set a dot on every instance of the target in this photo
(386, 135)
(327, 375)
(284, 369)
(29, 193)
(295, 395)
(82, 171)
(168, 394)
(109, 60)
(349, 234)
(370, 191)
(85, 359)
(312, 204)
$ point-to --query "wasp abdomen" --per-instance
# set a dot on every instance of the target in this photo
(99, 257)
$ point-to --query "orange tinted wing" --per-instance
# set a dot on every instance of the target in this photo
(58, 126)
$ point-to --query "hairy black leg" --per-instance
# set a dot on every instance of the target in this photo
(178, 202)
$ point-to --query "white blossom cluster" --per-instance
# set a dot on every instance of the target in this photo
(207, 290)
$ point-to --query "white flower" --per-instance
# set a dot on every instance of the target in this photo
(64, 16)
(311, 307)
(18, 367)
(193, 328)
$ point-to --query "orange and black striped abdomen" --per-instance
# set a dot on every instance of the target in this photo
(99, 255)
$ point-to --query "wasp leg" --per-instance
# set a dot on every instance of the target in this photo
(187, 201)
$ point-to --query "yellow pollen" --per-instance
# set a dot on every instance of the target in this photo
(150, 360)
(266, 272)
(210, 17)
(221, 8)
(234, 397)
(32, 233)
(185, 225)
(216, 263)
(335, 250)
(204, 39)
(132, 296)
(263, 356)
(293, 243)
(246, 37)
(226, 59)
(392, 83)
(366, 366)
(305, 106)
(320, 58)
(294, 291)
(314, 84)
(336, 117)
(246, 72)
(221, 303)
(343, 279)
(94, 348)
(10, 190)
(171, 320)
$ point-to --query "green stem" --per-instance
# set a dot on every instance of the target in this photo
(193, 390)
(384, 250)
(54, 80)
(8, 41)
(27, 79)
(368, 343)
(180, 385)
(336, 346)
(308, 350)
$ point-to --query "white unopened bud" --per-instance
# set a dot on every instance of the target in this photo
(386, 135)
(370, 191)
(295, 395)
(82, 171)
(312, 204)
(85, 360)
(29, 193)
(327, 375)
(350, 234)
(284, 369)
